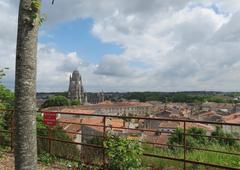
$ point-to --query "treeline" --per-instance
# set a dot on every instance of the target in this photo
(187, 97)
(181, 97)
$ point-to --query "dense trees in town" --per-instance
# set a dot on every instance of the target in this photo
(60, 100)
(56, 101)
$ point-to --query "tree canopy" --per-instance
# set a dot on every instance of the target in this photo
(56, 101)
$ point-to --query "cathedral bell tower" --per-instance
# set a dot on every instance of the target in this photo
(75, 90)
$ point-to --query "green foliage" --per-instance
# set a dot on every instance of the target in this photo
(96, 141)
(57, 148)
(225, 140)
(35, 8)
(75, 102)
(187, 97)
(198, 137)
(6, 102)
(42, 19)
(35, 16)
(123, 153)
(36, 5)
(2, 72)
(4, 136)
(195, 137)
(46, 158)
(6, 98)
(56, 101)
(195, 155)
(177, 137)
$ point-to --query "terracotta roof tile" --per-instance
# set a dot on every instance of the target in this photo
(233, 118)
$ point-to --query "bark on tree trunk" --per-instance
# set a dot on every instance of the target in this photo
(25, 89)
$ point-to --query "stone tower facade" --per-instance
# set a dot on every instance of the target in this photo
(75, 90)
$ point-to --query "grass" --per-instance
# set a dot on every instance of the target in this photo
(163, 164)
(229, 160)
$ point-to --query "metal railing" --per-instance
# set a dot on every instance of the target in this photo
(50, 140)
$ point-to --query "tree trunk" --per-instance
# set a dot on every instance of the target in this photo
(25, 88)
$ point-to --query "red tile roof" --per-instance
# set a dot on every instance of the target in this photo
(70, 109)
(88, 122)
(233, 118)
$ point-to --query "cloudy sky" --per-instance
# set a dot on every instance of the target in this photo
(132, 45)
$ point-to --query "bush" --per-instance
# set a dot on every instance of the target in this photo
(177, 137)
(198, 135)
(220, 133)
(46, 158)
(195, 137)
(58, 149)
(123, 153)
(6, 98)
(75, 102)
(4, 136)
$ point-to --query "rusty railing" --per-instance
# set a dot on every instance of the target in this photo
(76, 137)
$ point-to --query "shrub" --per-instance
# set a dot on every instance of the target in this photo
(123, 153)
(6, 98)
(177, 137)
(223, 141)
(46, 158)
(58, 148)
(195, 137)
(4, 136)
(75, 102)
(198, 135)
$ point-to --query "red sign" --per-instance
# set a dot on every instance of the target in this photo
(49, 118)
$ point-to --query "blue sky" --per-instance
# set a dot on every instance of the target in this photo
(76, 36)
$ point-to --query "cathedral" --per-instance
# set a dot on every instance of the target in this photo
(75, 90)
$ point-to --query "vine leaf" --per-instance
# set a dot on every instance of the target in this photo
(36, 5)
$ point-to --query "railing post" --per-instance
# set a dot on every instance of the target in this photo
(185, 146)
(104, 137)
(49, 140)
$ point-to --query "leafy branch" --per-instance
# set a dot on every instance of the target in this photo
(2, 73)
(35, 16)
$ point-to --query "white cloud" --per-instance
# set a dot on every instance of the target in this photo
(168, 45)
(115, 66)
